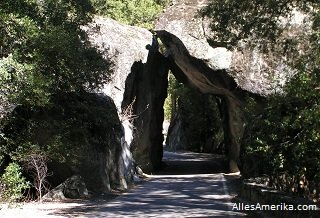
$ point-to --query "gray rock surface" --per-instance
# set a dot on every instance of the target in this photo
(74, 188)
(216, 82)
(139, 81)
(146, 87)
(124, 45)
(82, 135)
(228, 74)
(253, 71)
(176, 140)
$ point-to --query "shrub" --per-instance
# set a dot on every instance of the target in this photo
(12, 183)
(133, 12)
(284, 138)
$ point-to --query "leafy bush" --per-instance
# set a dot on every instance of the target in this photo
(12, 183)
(285, 137)
(282, 140)
(133, 12)
(44, 51)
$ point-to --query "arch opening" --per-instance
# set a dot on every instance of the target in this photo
(147, 87)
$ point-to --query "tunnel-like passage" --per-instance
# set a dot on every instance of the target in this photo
(146, 91)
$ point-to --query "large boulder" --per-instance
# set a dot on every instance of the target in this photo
(123, 45)
(207, 69)
(146, 88)
(74, 188)
(176, 139)
(200, 76)
(138, 86)
(81, 134)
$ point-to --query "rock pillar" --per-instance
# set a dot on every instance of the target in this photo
(233, 124)
(146, 90)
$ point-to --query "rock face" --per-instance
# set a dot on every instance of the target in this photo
(176, 136)
(138, 86)
(250, 69)
(146, 80)
(216, 82)
(146, 88)
(74, 188)
(81, 133)
(124, 45)
(216, 70)
(139, 82)
(204, 68)
(146, 77)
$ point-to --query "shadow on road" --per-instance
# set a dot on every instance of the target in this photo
(167, 197)
(186, 163)
(190, 185)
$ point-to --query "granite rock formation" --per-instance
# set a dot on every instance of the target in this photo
(138, 86)
(230, 75)
(81, 133)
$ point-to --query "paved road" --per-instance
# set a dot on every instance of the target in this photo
(192, 185)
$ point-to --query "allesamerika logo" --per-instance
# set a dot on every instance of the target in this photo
(281, 206)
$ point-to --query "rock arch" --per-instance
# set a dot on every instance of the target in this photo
(196, 74)
(140, 78)
(146, 87)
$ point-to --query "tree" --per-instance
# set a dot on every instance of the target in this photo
(287, 28)
(43, 51)
(36, 164)
(284, 136)
(133, 12)
(12, 183)
(44, 55)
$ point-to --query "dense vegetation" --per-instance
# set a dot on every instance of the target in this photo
(41, 48)
(133, 12)
(47, 68)
(195, 110)
(44, 55)
(282, 139)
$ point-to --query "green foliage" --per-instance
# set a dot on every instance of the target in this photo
(12, 183)
(283, 30)
(174, 91)
(285, 137)
(43, 51)
(133, 12)
(289, 131)
(199, 110)
(46, 58)
(20, 84)
(196, 110)
(234, 20)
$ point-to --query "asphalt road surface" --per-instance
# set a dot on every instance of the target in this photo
(191, 185)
